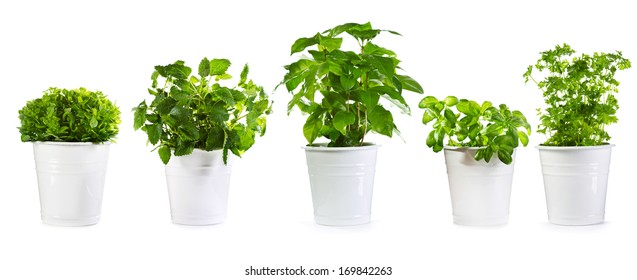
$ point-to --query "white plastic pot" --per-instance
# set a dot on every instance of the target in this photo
(342, 183)
(70, 181)
(575, 182)
(480, 191)
(198, 186)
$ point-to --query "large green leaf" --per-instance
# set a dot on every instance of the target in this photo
(219, 66)
(381, 120)
(342, 119)
(302, 43)
(410, 84)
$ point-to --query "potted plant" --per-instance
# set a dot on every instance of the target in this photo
(479, 152)
(71, 131)
(202, 124)
(580, 102)
(340, 91)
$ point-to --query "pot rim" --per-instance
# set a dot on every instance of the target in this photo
(462, 148)
(597, 147)
(324, 147)
(54, 143)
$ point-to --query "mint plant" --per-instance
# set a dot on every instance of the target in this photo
(465, 123)
(196, 112)
(75, 115)
(579, 94)
(340, 90)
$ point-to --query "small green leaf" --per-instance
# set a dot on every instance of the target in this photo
(204, 67)
(451, 101)
(329, 43)
(427, 101)
(154, 133)
(164, 154)
(93, 122)
(244, 74)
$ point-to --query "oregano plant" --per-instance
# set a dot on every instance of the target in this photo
(69, 115)
(341, 90)
(190, 112)
(466, 123)
(579, 95)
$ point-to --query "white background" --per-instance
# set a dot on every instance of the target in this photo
(471, 49)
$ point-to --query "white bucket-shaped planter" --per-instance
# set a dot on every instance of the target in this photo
(575, 182)
(480, 190)
(70, 181)
(342, 183)
(198, 186)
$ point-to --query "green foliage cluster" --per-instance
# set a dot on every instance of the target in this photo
(578, 92)
(195, 112)
(465, 123)
(63, 115)
(340, 90)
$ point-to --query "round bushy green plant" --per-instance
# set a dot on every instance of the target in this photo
(196, 112)
(579, 94)
(466, 123)
(75, 115)
(340, 90)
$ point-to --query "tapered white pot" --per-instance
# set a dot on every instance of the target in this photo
(198, 186)
(342, 183)
(70, 181)
(480, 191)
(575, 183)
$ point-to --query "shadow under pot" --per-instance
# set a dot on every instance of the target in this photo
(70, 181)
(575, 183)
(342, 183)
(480, 191)
(198, 186)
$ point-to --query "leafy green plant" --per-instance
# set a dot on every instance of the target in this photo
(75, 115)
(195, 112)
(340, 90)
(578, 92)
(465, 123)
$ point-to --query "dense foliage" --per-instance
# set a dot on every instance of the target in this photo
(195, 112)
(496, 131)
(76, 115)
(579, 94)
(340, 90)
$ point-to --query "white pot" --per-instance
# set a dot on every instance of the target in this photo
(575, 180)
(70, 181)
(342, 183)
(198, 186)
(480, 191)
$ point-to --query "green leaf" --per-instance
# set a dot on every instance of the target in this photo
(524, 139)
(427, 102)
(312, 126)
(140, 115)
(302, 43)
(225, 95)
(342, 119)
(204, 67)
(329, 43)
(450, 116)
(451, 101)
(384, 65)
(381, 120)
(154, 133)
(431, 139)
(164, 154)
(178, 70)
(184, 149)
(244, 74)
(166, 105)
(428, 115)
(410, 84)
(219, 66)
(370, 98)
